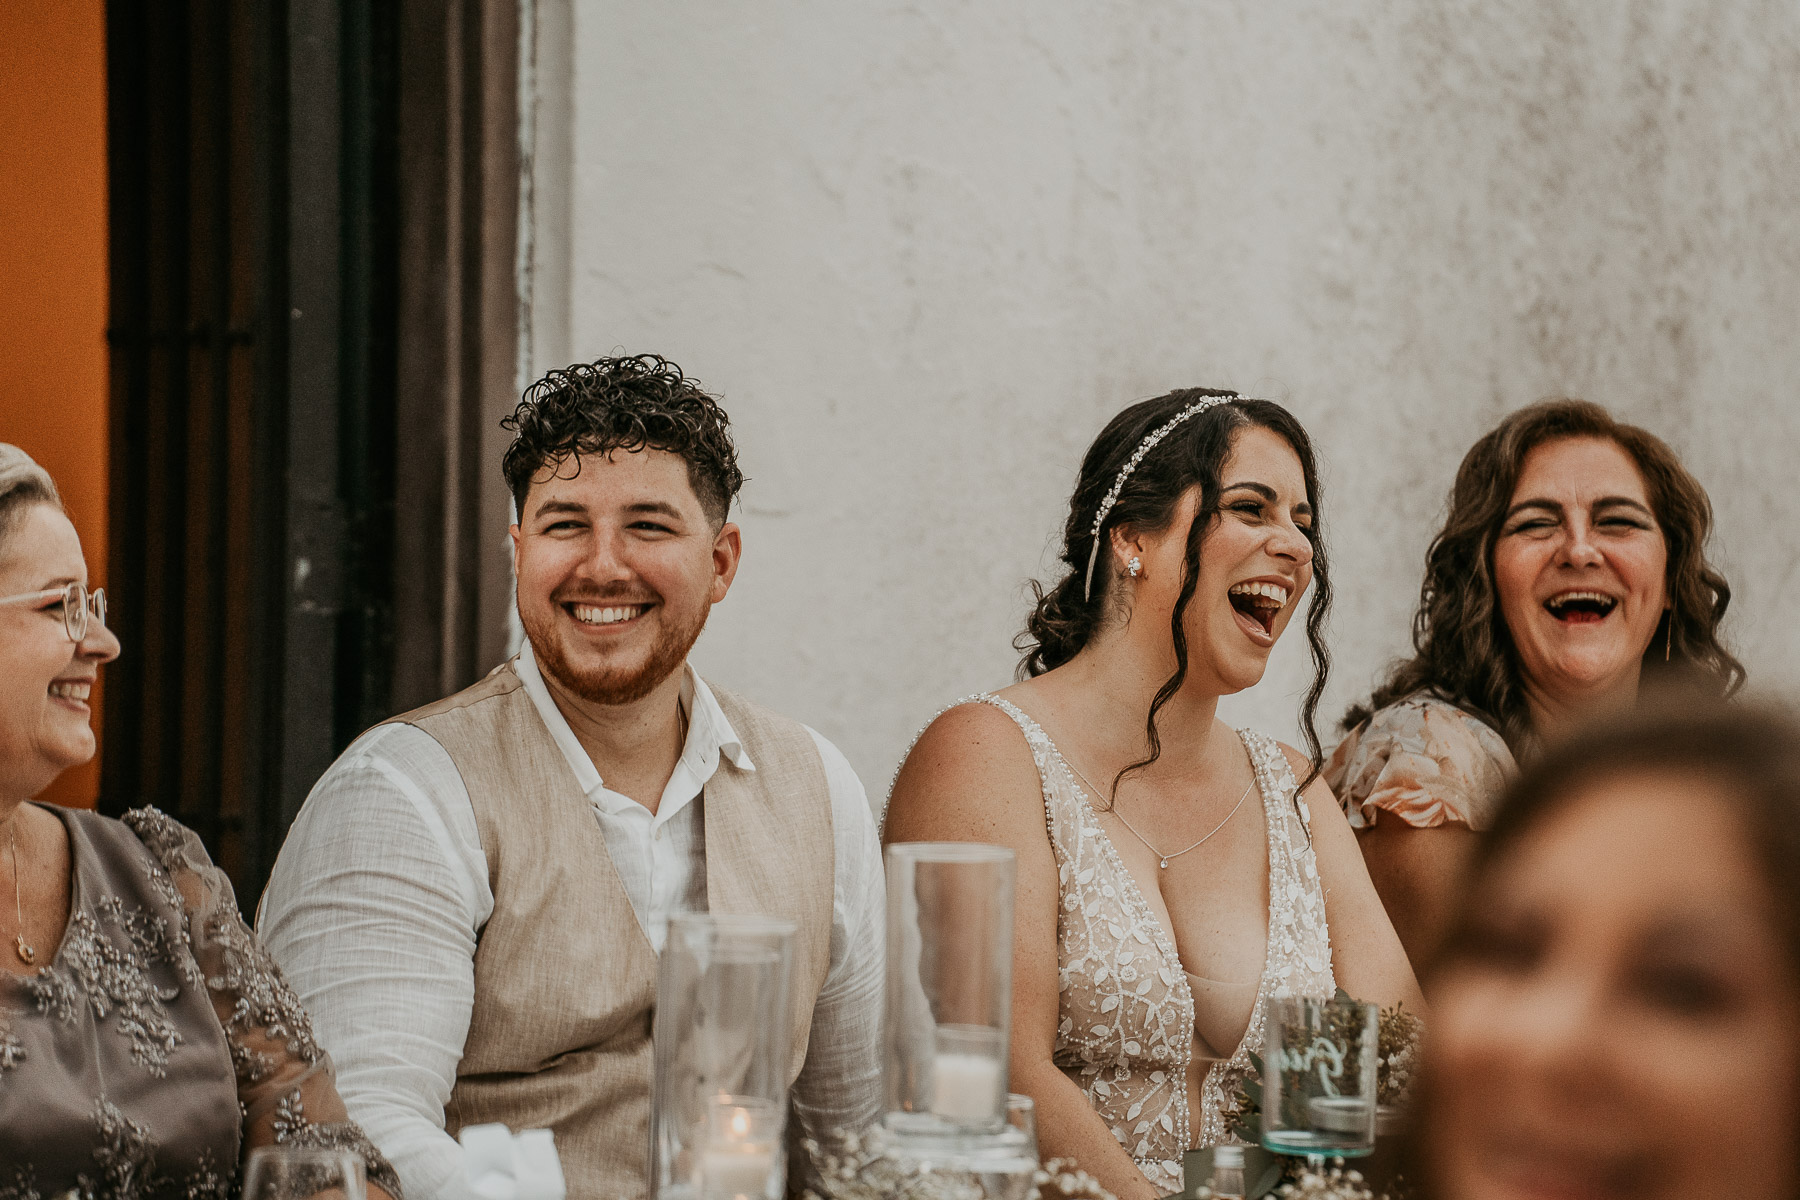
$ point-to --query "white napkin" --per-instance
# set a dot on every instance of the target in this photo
(502, 1165)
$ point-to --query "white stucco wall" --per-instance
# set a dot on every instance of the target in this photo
(924, 249)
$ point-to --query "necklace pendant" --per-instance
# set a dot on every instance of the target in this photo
(1165, 864)
(27, 955)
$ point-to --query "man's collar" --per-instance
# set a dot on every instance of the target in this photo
(709, 735)
(698, 701)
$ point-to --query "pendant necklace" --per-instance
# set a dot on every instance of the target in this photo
(1164, 858)
(22, 948)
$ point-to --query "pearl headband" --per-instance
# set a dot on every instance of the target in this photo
(1137, 456)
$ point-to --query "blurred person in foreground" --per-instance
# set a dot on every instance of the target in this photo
(1173, 872)
(1570, 573)
(146, 1040)
(474, 897)
(1616, 1012)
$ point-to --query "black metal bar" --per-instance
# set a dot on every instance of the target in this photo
(315, 525)
(426, 346)
(264, 652)
(368, 379)
(127, 474)
(197, 584)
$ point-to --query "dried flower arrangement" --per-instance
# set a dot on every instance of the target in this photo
(1333, 1184)
(852, 1169)
(1401, 1033)
(1398, 1035)
(1397, 1056)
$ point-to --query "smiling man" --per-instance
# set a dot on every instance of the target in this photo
(472, 901)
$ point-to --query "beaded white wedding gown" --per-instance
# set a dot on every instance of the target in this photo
(1128, 1029)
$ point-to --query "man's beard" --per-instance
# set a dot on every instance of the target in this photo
(613, 685)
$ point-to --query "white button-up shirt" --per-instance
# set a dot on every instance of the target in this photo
(381, 890)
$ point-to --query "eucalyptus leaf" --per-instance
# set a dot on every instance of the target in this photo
(1262, 1172)
(1196, 1171)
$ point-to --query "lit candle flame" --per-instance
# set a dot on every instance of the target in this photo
(740, 1124)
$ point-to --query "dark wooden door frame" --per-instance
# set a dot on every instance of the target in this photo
(458, 317)
(313, 331)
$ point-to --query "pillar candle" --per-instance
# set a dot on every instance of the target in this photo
(965, 1087)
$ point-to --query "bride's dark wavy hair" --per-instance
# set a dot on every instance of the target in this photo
(1192, 455)
(1462, 650)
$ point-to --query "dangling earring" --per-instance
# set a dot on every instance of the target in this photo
(1669, 637)
(1134, 568)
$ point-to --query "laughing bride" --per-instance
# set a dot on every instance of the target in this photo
(1172, 871)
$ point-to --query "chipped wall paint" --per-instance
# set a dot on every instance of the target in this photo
(925, 249)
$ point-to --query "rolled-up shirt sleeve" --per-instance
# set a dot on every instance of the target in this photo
(373, 911)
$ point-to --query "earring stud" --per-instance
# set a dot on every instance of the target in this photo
(1135, 567)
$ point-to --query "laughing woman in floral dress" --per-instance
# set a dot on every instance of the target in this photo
(146, 1040)
(1570, 573)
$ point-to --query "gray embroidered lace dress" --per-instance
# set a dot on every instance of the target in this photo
(160, 1041)
(1127, 1028)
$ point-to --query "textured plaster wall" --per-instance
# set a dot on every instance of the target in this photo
(925, 249)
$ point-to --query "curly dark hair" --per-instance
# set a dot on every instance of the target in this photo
(627, 403)
(1463, 652)
(1192, 455)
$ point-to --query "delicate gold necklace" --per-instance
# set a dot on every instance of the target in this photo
(26, 953)
(1164, 863)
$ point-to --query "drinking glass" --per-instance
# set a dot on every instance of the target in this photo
(949, 1000)
(1021, 1114)
(1319, 1064)
(718, 1099)
(301, 1173)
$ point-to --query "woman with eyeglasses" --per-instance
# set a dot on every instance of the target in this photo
(147, 1041)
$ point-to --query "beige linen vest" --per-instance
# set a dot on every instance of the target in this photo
(565, 980)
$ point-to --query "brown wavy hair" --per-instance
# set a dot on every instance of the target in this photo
(1462, 650)
(1192, 455)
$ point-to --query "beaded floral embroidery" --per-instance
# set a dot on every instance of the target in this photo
(1299, 962)
(1126, 1029)
(109, 969)
(12, 1050)
(265, 1003)
(126, 962)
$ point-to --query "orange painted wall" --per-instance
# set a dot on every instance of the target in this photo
(53, 251)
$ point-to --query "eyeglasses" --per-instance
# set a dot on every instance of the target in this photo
(78, 604)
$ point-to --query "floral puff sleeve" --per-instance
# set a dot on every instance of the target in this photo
(285, 1084)
(1425, 761)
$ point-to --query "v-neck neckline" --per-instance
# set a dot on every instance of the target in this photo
(1165, 935)
(1164, 938)
(76, 896)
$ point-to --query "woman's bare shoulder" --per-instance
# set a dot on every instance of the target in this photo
(977, 726)
(968, 774)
